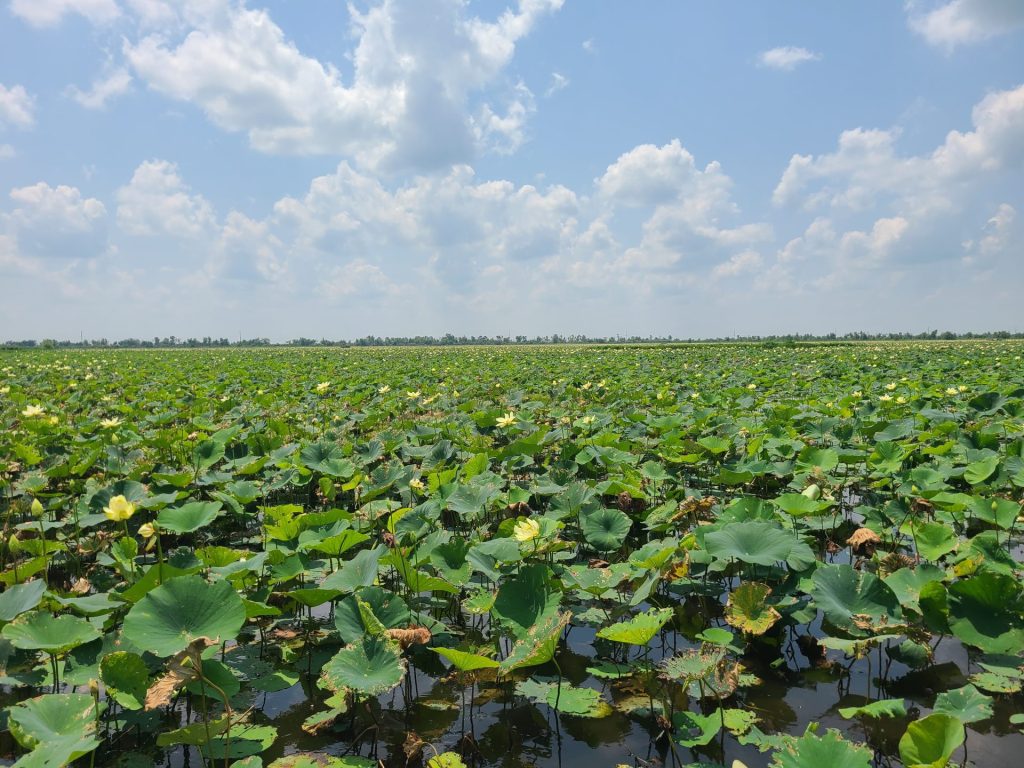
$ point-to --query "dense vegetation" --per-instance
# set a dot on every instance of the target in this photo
(785, 555)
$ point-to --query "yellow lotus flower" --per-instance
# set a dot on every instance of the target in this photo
(412, 394)
(119, 509)
(33, 410)
(751, 386)
(383, 390)
(885, 398)
(890, 386)
(147, 530)
(322, 387)
(4, 390)
(526, 530)
(507, 420)
(961, 388)
(952, 391)
(110, 423)
(417, 485)
(37, 508)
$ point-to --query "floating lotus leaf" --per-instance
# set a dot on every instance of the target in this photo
(466, 662)
(566, 698)
(966, 704)
(881, 708)
(605, 529)
(370, 666)
(538, 645)
(182, 610)
(638, 630)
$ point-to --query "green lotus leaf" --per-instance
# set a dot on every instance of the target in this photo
(58, 728)
(20, 598)
(328, 459)
(188, 517)
(605, 529)
(320, 760)
(748, 608)
(446, 760)
(387, 608)
(931, 741)
(811, 459)
(759, 543)
(858, 603)
(182, 610)
(370, 666)
(831, 750)
(538, 645)
(566, 698)
(881, 708)
(464, 661)
(42, 631)
(966, 704)
(638, 630)
(360, 571)
(986, 611)
(978, 472)
(933, 539)
(524, 598)
(245, 741)
(126, 677)
(693, 729)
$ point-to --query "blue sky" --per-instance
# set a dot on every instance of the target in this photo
(394, 167)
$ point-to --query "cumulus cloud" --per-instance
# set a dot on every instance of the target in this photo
(995, 238)
(959, 22)
(558, 83)
(866, 168)
(46, 13)
(103, 90)
(427, 90)
(17, 107)
(787, 58)
(157, 202)
(50, 223)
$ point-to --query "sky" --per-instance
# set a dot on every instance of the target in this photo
(286, 168)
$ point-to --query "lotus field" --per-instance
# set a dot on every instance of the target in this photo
(795, 556)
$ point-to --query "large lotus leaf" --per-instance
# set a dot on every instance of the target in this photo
(360, 571)
(319, 760)
(978, 472)
(370, 666)
(999, 512)
(181, 610)
(336, 545)
(566, 698)
(42, 631)
(759, 543)
(858, 603)
(58, 728)
(933, 539)
(881, 708)
(20, 598)
(931, 741)
(811, 459)
(388, 608)
(748, 608)
(126, 677)
(188, 517)
(605, 529)
(328, 459)
(465, 661)
(967, 704)
(828, 751)
(985, 611)
(638, 630)
(207, 453)
(524, 598)
(538, 645)
(245, 740)
(907, 583)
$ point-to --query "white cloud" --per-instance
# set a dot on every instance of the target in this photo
(157, 202)
(866, 170)
(17, 107)
(45, 13)
(49, 223)
(960, 22)
(589, 45)
(103, 90)
(787, 58)
(995, 238)
(6, 152)
(427, 90)
(558, 82)
(745, 261)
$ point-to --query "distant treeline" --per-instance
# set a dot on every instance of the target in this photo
(451, 340)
